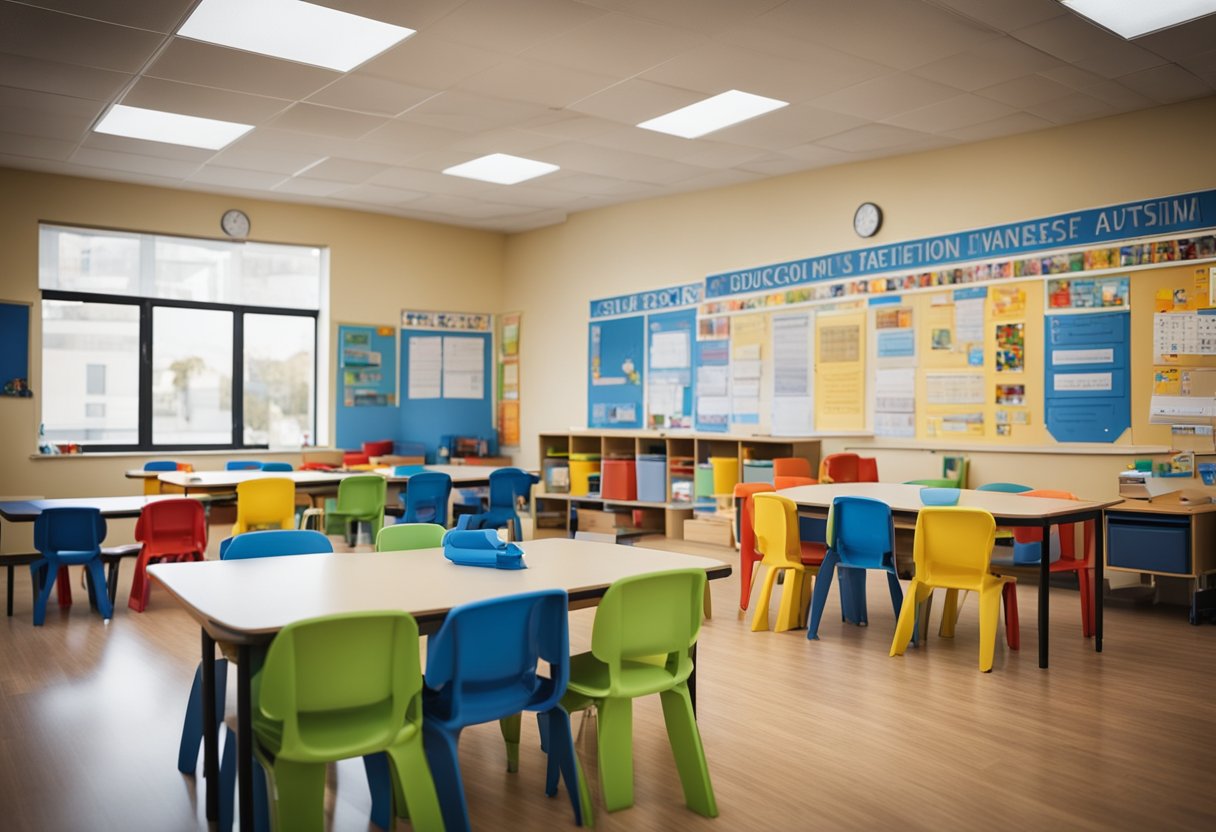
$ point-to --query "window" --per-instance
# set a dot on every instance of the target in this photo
(164, 343)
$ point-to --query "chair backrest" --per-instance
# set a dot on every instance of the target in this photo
(277, 466)
(381, 447)
(266, 502)
(362, 495)
(744, 491)
(160, 465)
(867, 469)
(69, 530)
(792, 466)
(953, 545)
(1006, 487)
(242, 465)
(510, 485)
(339, 686)
(273, 543)
(1068, 544)
(172, 527)
(862, 532)
(405, 536)
(775, 519)
(955, 468)
(792, 482)
(482, 663)
(646, 616)
(839, 468)
(426, 497)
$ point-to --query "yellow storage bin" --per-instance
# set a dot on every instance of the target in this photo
(582, 467)
(726, 473)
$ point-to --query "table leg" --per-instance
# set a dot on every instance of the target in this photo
(1044, 593)
(211, 756)
(244, 734)
(1099, 579)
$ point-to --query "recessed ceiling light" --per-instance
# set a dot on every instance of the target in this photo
(730, 107)
(501, 169)
(1133, 18)
(171, 128)
(293, 30)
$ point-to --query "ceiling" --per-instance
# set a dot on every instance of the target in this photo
(565, 82)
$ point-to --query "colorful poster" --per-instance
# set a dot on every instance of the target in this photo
(1070, 293)
(1010, 347)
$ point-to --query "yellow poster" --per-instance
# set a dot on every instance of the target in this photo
(840, 371)
(508, 423)
(1008, 301)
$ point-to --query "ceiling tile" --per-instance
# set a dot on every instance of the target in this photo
(707, 154)
(416, 14)
(814, 155)
(996, 61)
(38, 33)
(530, 222)
(1022, 92)
(776, 164)
(596, 47)
(35, 147)
(206, 102)
(1076, 107)
(153, 15)
(1072, 76)
(232, 69)
(533, 195)
(247, 158)
(1006, 14)
(427, 181)
(1203, 65)
(524, 79)
(884, 97)
(585, 183)
(110, 160)
(1069, 37)
(368, 94)
(1004, 126)
(507, 140)
(235, 178)
(951, 114)
(60, 78)
(569, 125)
(431, 62)
(46, 124)
(789, 126)
(49, 103)
(716, 17)
(875, 137)
(840, 69)
(1121, 60)
(376, 195)
(326, 121)
(411, 138)
(139, 147)
(288, 141)
(605, 161)
(456, 110)
(350, 171)
(716, 179)
(650, 143)
(1166, 84)
(635, 100)
(511, 27)
(1182, 41)
(303, 186)
(1118, 95)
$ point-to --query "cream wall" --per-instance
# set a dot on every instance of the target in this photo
(378, 265)
(551, 274)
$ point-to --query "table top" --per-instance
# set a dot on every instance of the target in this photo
(1005, 507)
(231, 479)
(460, 474)
(248, 600)
(24, 511)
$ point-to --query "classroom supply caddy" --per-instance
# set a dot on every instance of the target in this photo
(582, 467)
(652, 478)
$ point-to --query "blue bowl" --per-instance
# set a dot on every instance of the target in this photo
(939, 496)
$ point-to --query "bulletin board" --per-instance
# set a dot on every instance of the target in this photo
(445, 386)
(669, 362)
(15, 349)
(366, 388)
(616, 351)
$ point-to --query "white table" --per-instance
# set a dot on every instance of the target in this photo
(463, 476)
(248, 601)
(1007, 509)
(228, 480)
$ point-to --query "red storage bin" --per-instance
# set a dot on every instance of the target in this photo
(618, 480)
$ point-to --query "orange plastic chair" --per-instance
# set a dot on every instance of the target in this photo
(792, 466)
(792, 482)
(170, 531)
(1068, 562)
(848, 467)
(867, 469)
(749, 558)
(776, 530)
(268, 503)
(952, 551)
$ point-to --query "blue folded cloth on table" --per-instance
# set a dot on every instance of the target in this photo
(482, 547)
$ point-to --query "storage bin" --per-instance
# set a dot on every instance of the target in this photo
(652, 478)
(704, 482)
(1149, 542)
(582, 466)
(726, 473)
(619, 480)
(557, 475)
(758, 470)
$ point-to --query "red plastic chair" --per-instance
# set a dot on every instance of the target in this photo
(848, 468)
(812, 553)
(792, 482)
(1068, 562)
(170, 531)
(793, 466)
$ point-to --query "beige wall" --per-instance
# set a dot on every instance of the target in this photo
(378, 265)
(552, 273)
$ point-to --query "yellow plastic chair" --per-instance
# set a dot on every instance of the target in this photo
(775, 519)
(952, 550)
(265, 504)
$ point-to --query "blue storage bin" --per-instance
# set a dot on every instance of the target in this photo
(1149, 542)
(757, 470)
(652, 478)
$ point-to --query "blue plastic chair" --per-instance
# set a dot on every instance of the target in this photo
(160, 465)
(481, 666)
(242, 465)
(271, 543)
(277, 466)
(508, 486)
(1006, 487)
(861, 536)
(426, 498)
(69, 537)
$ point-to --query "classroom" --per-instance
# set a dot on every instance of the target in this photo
(429, 363)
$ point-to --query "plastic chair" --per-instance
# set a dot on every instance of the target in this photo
(848, 467)
(170, 530)
(277, 466)
(508, 487)
(152, 484)
(360, 500)
(337, 687)
(407, 536)
(641, 643)
(793, 466)
(1006, 487)
(791, 481)
(426, 498)
(69, 537)
(954, 474)
(242, 465)
(951, 551)
(265, 503)
(482, 666)
(749, 558)
(861, 536)
(776, 527)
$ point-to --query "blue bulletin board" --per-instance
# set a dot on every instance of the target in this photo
(669, 369)
(1087, 395)
(366, 385)
(15, 348)
(712, 360)
(445, 386)
(616, 365)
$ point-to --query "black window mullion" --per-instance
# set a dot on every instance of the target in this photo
(145, 374)
(238, 379)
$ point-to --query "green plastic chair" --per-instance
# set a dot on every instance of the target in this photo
(954, 474)
(360, 498)
(640, 645)
(337, 687)
(405, 536)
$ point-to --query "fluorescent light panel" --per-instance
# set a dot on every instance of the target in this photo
(1133, 18)
(723, 110)
(170, 128)
(293, 30)
(501, 169)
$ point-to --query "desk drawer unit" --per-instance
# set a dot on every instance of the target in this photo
(1148, 542)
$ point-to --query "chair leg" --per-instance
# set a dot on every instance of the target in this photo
(138, 599)
(906, 623)
(791, 601)
(760, 617)
(509, 726)
(990, 611)
(924, 615)
(380, 785)
(686, 746)
(1085, 578)
(44, 591)
(101, 594)
(748, 578)
(192, 726)
(10, 590)
(1013, 632)
(562, 760)
(442, 757)
(299, 795)
(854, 580)
(950, 612)
(112, 581)
(64, 579)
(614, 741)
(415, 788)
(819, 597)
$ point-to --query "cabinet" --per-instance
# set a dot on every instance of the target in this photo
(1162, 537)
(681, 453)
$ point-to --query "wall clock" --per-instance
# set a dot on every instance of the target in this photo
(867, 219)
(235, 223)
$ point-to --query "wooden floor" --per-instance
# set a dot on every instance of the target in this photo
(830, 734)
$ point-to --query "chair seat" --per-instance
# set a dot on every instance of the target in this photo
(813, 553)
(330, 733)
(589, 677)
(127, 550)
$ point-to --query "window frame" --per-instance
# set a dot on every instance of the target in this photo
(146, 306)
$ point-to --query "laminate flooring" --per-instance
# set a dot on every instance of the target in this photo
(831, 734)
